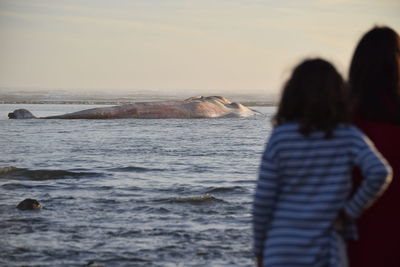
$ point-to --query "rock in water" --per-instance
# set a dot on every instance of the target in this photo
(21, 114)
(29, 204)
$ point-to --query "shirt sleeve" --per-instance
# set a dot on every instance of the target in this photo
(377, 175)
(264, 198)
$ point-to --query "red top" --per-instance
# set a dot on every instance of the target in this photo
(379, 226)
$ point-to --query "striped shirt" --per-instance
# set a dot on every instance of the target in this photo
(303, 184)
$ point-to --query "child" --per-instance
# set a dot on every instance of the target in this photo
(305, 175)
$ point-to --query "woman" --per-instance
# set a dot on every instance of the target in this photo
(374, 81)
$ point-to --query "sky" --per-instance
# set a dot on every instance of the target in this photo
(213, 46)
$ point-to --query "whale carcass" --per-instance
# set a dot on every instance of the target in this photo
(191, 108)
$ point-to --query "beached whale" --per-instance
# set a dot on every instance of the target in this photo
(191, 108)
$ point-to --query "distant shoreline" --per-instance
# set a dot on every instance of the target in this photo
(113, 102)
(9, 96)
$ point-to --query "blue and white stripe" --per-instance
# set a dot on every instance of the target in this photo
(304, 182)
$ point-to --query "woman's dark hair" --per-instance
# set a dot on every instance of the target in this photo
(374, 76)
(314, 96)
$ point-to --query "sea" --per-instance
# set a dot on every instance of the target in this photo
(128, 192)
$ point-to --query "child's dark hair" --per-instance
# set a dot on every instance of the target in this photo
(315, 96)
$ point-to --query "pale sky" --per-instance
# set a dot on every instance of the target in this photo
(235, 46)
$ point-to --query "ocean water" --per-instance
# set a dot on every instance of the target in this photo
(128, 192)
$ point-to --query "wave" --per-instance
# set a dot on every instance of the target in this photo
(12, 186)
(133, 169)
(226, 189)
(195, 200)
(13, 173)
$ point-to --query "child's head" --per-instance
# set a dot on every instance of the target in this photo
(314, 96)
